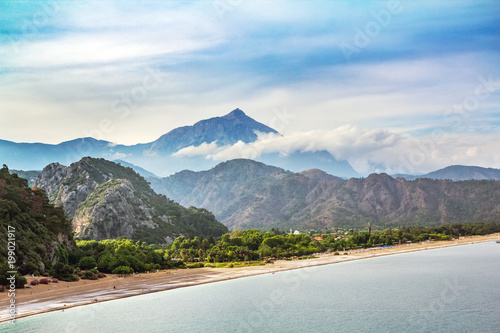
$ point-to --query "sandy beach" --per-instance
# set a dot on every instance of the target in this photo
(63, 295)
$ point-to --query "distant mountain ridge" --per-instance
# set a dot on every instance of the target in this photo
(157, 156)
(249, 194)
(459, 172)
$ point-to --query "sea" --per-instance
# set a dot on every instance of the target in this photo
(453, 289)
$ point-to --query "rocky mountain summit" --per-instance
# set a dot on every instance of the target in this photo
(105, 200)
(226, 130)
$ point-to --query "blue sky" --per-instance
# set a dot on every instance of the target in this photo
(420, 90)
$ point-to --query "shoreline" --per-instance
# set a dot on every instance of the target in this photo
(64, 295)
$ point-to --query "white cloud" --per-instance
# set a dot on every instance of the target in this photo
(367, 150)
(119, 156)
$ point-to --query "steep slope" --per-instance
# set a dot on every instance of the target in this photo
(105, 200)
(41, 232)
(244, 193)
(226, 188)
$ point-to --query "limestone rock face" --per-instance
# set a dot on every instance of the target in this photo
(105, 201)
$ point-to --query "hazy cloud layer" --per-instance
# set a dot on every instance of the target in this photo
(367, 150)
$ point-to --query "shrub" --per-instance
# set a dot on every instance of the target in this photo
(89, 275)
(55, 280)
(45, 274)
(20, 281)
(27, 268)
(336, 254)
(122, 270)
(345, 253)
(70, 278)
(101, 275)
(44, 281)
(87, 262)
(34, 282)
(64, 272)
(176, 264)
(195, 265)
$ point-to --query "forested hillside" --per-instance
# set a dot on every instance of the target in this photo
(40, 231)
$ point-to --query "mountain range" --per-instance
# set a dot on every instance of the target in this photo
(158, 156)
(248, 194)
(106, 200)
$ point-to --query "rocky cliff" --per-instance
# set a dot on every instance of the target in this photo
(105, 200)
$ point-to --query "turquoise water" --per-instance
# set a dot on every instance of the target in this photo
(444, 290)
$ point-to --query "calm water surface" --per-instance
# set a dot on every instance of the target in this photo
(443, 290)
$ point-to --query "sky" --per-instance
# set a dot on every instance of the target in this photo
(391, 86)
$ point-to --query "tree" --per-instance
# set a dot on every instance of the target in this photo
(87, 263)
(64, 272)
(123, 270)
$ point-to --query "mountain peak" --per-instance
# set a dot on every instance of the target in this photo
(226, 130)
(236, 113)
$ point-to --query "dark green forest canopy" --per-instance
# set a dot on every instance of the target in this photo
(43, 234)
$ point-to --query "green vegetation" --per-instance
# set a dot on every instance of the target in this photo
(64, 272)
(38, 233)
(252, 247)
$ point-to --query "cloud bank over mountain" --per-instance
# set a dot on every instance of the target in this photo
(366, 150)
